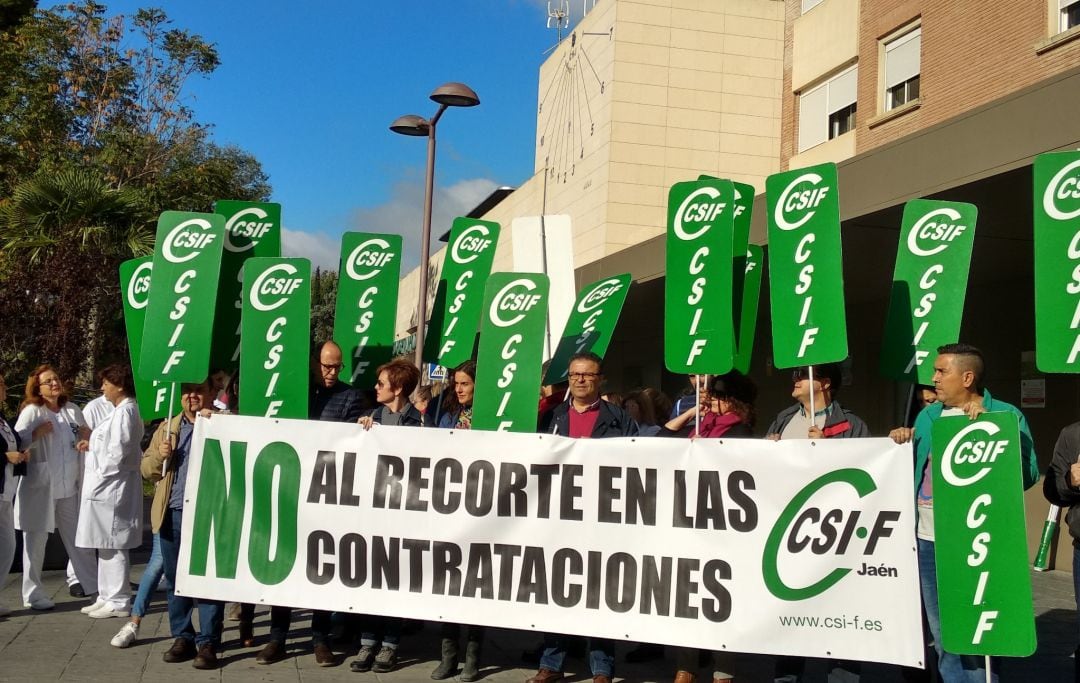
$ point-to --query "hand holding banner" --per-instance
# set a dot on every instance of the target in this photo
(806, 277)
(455, 317)
(276, 321)
(511, 346)
(183, 286)
(366, 312)
(929, 284)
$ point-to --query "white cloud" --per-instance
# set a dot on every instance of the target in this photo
(322, 250)
(402, 213)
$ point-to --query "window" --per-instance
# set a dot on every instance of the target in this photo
(828, 110)
(808, 5)
(902, 68)
(1068, 12)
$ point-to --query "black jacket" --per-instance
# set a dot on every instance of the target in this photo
(410, 418)
(612, 421)
(339, 403)
(1056, 484)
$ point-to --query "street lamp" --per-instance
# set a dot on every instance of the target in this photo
(446, 95)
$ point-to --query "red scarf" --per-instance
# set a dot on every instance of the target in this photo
(714, 426)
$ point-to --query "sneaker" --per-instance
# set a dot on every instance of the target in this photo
(364, 659)
(106, 611)
(386, 660)
(129, 632)
(40, 604)
(93, 607)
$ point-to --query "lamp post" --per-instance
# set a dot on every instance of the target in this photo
(446, 95)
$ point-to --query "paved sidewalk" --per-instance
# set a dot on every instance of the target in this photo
(65, 645)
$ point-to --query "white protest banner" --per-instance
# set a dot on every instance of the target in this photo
(789, 547)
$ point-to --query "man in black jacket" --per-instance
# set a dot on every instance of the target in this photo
(584, 416)
(1062, 487)
(334, 401)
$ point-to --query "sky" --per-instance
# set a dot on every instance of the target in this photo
(310, 88)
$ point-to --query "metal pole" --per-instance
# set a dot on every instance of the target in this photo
(425, 241)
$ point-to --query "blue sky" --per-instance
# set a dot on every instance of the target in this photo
(310, 89)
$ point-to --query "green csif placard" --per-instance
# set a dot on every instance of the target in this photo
(276, 324)
(698, 336)
(455, 315)
(590, 325)
(183, 289)
(984, 584)
(367, 297)
(151, 395)
(929, 284)
(806, 277)
(746, 299)
(251, 229)
(1057, 262)
(511, 351)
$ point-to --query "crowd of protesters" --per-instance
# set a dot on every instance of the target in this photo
(80, 471)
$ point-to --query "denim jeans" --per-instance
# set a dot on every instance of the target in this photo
(380, 629)
(155, 569)
(211, 612)
(601, 655)
(953, 668)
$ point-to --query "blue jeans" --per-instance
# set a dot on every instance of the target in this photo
(953, 668)
(601, 655)
(211, 612)
(155, 569)
(379, 629)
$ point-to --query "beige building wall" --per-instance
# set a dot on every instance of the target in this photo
(641, 95)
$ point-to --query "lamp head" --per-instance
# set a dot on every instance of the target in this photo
(410, 124)
(455, 95)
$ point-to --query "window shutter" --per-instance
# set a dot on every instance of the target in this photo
(813, 117)
(902, 58)
(842, 90)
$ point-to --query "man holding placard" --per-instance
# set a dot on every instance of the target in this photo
(958, 373)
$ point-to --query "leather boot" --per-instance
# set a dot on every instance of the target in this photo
(448, 664)
(471, 671)
(684, 677)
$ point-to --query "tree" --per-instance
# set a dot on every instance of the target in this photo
(96, 140)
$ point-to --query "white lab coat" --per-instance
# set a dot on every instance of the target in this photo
(110, 515)
(95, 412)
(54, 467)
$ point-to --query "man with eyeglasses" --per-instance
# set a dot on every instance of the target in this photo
(584, 416)
(829, 420)
(330, 400)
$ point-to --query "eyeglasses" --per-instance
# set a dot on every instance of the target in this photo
(583, 376)
(799, 374)
(336, 367)
(49, 381)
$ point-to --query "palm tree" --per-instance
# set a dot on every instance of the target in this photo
(73, 229)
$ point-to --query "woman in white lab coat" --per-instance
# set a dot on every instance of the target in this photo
(110, 519)
(48, 495)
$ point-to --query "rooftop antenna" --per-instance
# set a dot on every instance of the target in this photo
(558, 16)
